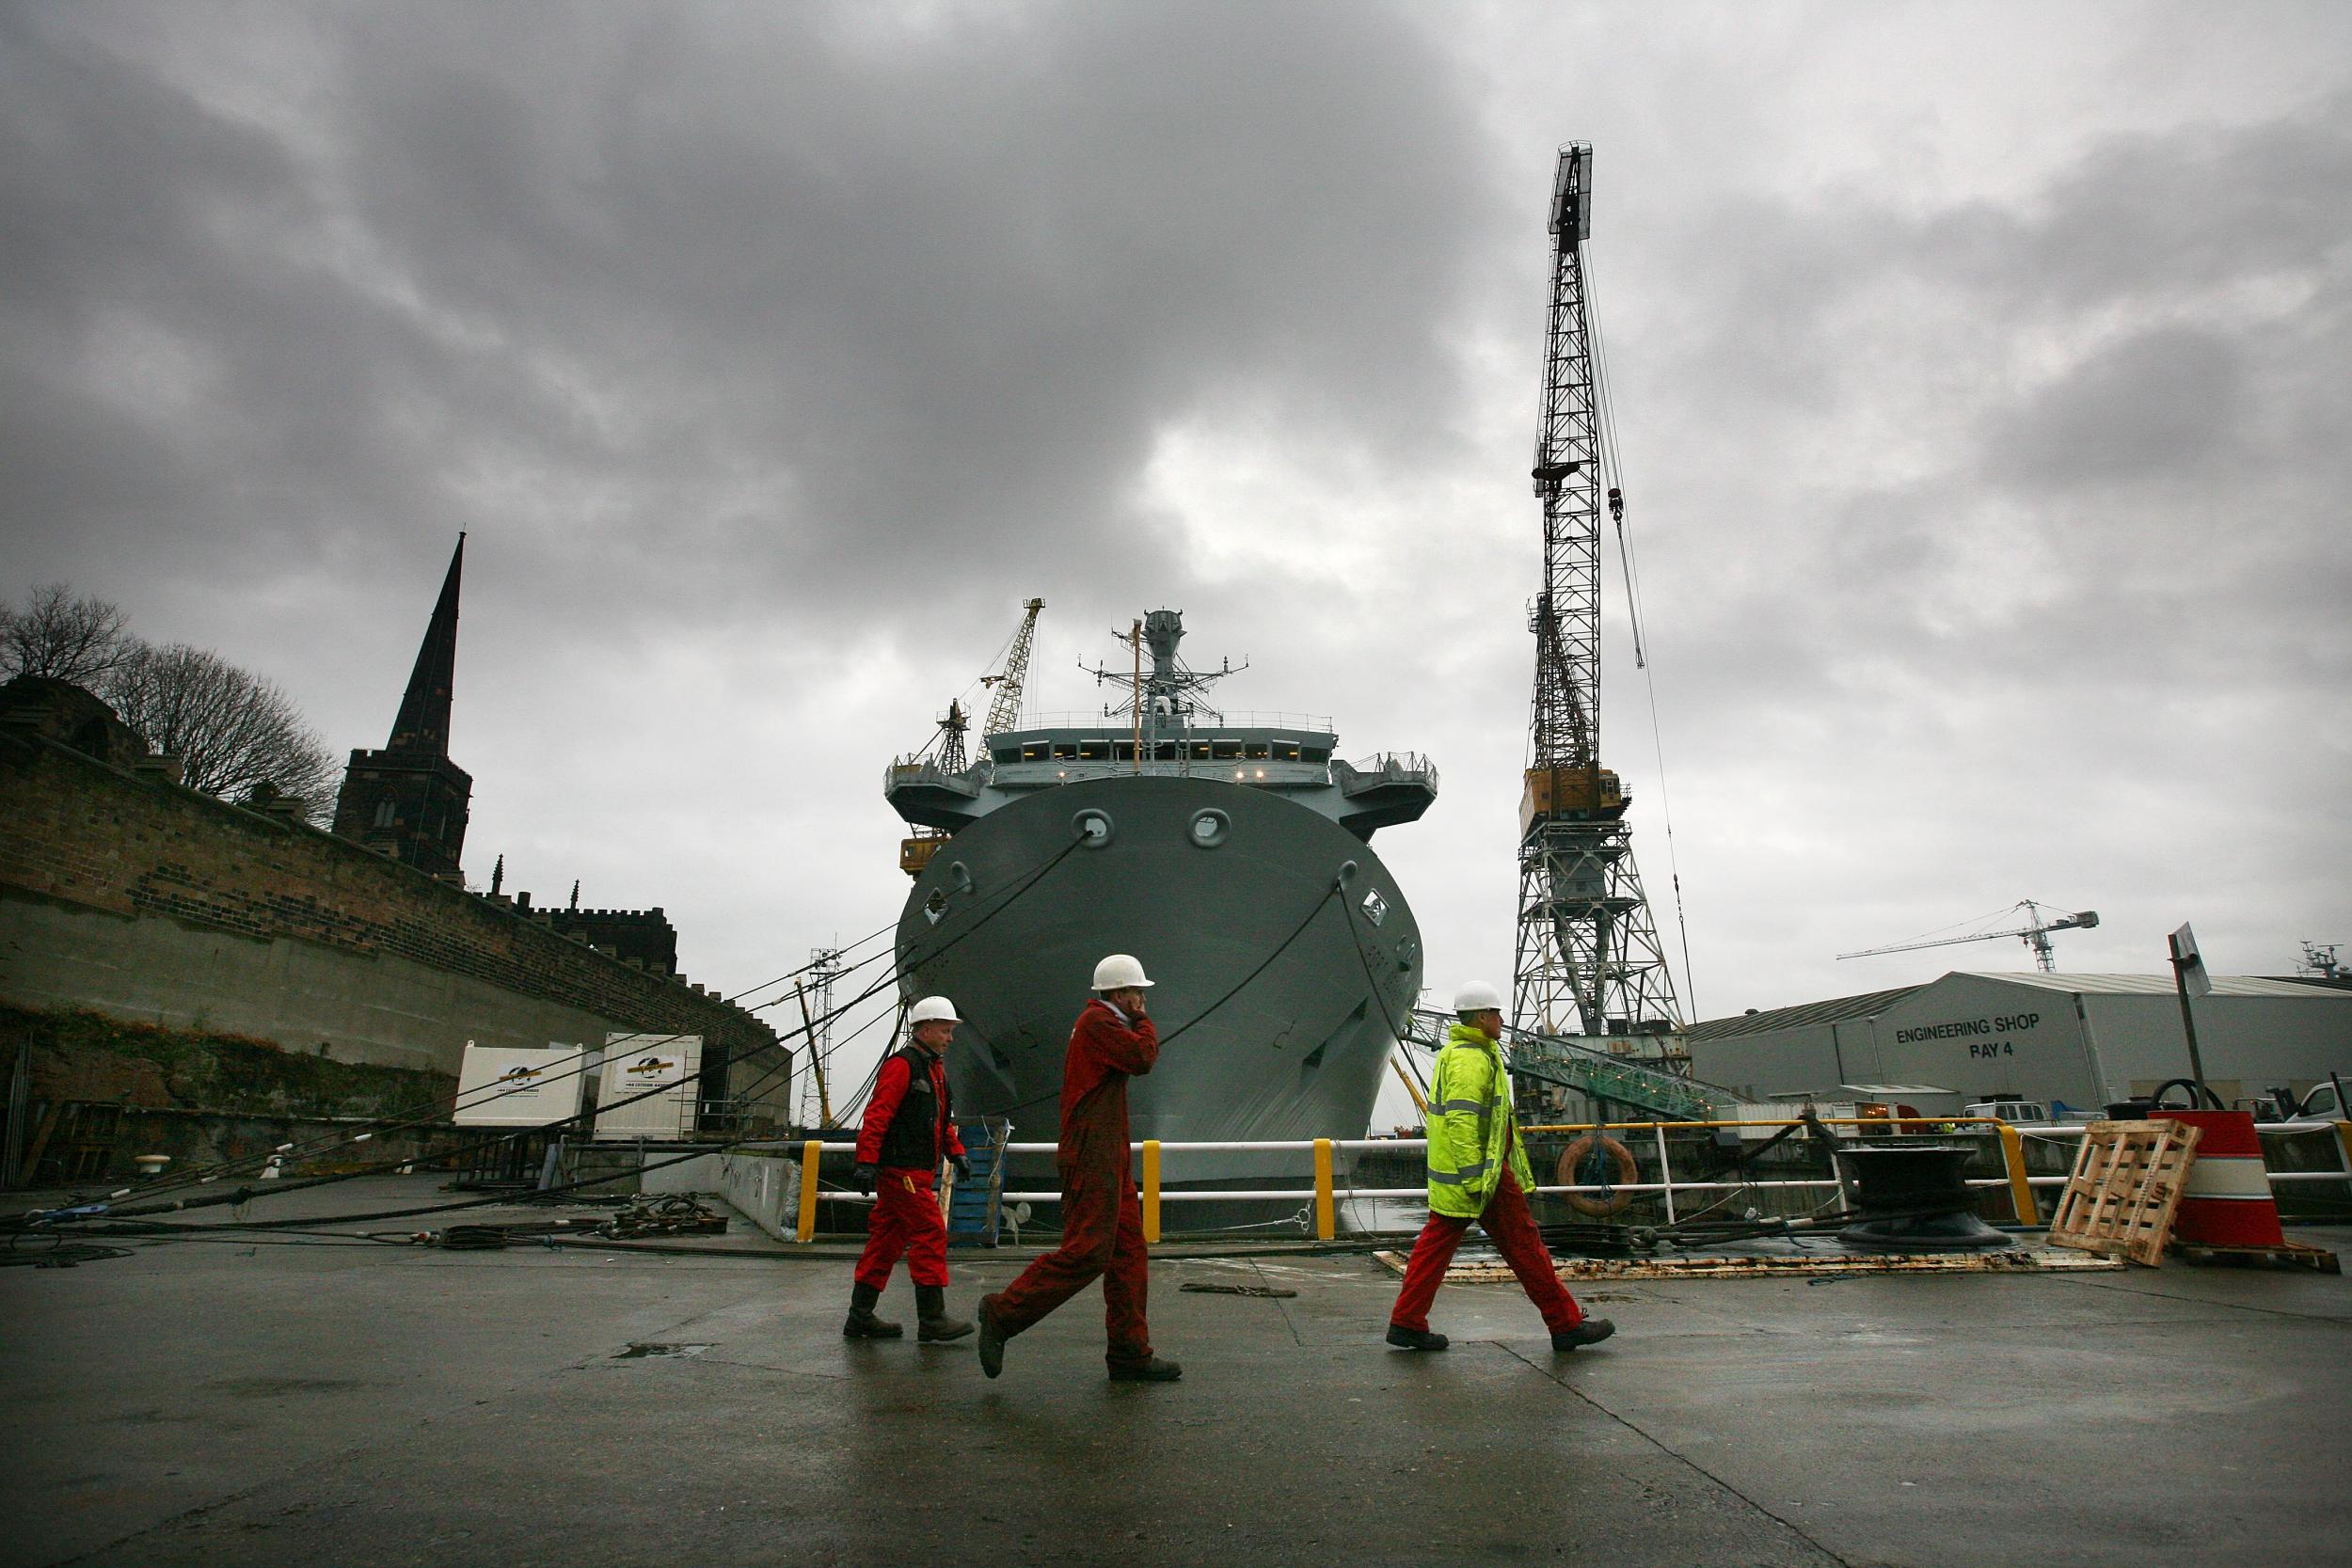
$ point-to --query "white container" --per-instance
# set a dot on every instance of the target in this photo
(636, 1063)
(519, 1087)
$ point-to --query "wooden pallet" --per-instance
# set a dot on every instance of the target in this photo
(2286, 1255)
(2126, 1182)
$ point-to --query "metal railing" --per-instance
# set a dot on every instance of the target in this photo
(1328, 1190)
(1203, 727)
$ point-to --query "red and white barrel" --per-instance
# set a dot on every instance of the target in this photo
(2227, 1199)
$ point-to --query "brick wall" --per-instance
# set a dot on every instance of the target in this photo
(122, 892)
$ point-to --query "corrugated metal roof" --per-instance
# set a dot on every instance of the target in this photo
(2139, 985)
(1801, 1016)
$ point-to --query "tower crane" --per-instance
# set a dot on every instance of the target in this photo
(1004, 710)
(2035, 932)
(1588, 959)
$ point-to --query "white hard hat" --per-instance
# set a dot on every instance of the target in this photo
(1476, 996)
(1118, 972)
(933, 1009)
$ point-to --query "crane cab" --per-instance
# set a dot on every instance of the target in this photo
(1572, 792)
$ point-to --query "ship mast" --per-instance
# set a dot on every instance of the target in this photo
(1588, 959)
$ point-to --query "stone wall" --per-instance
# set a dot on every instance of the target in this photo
(124, 894)
(100, 1091)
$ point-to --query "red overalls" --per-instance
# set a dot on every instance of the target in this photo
(906, 1218)
(1101, 1220)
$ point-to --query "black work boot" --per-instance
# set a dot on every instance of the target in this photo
(930, 1308)
(1416, 1339)
(862, 1324)
(992, 1340)
(1154, 1370)
(1591, 1331)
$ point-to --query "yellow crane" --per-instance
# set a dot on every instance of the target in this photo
(1004, 713)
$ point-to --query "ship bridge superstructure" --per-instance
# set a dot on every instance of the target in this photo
(1164, 728)
(1291, 755)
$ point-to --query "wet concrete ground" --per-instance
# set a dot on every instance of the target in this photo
(300, 1404)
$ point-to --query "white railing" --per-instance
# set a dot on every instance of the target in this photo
(1329, 1189)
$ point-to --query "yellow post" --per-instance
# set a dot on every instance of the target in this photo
(2020, 1190)
(1152, 1191)
(1326, 1225)
(811, 1152)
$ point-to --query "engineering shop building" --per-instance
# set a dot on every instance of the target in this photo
(2078, 1041)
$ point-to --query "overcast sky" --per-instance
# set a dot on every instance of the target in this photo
(1980, 374)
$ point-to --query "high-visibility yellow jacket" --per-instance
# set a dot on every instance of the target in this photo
(1471, 1133)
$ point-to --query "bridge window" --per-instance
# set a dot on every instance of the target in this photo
(1286, 750)
(1065, 750)
(1225, 750)
(1094, 750)
(1199, 750)
(1257, 751)
(1167, 751)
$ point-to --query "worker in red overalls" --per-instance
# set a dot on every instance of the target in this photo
(1101, 1220)
(910, 1126)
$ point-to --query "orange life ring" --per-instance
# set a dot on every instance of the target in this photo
(1620, 1157)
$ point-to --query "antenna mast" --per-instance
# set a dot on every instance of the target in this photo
(1588, 957)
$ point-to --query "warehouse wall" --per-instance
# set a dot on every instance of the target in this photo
(1986, 1036)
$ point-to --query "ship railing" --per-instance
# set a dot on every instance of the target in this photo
(1331, 1187)
(1203, 725)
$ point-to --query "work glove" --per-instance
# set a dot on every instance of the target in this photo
(864, 1177)
(963, 1168)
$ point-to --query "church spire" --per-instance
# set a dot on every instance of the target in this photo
(423, 721)
(409, 801)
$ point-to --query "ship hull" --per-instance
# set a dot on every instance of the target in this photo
(1283, 954)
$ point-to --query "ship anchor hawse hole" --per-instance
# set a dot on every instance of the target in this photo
(1093, 826)
(1211, 827)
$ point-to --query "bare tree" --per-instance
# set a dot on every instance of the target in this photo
(62, 637)
(232, 731)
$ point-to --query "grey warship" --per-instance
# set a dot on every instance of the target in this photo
(1231, 852)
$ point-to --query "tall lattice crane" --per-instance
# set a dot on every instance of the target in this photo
(1588, 957)
(1004, 711)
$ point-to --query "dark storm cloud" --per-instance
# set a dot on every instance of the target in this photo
(808, 292)
(1986, 444)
